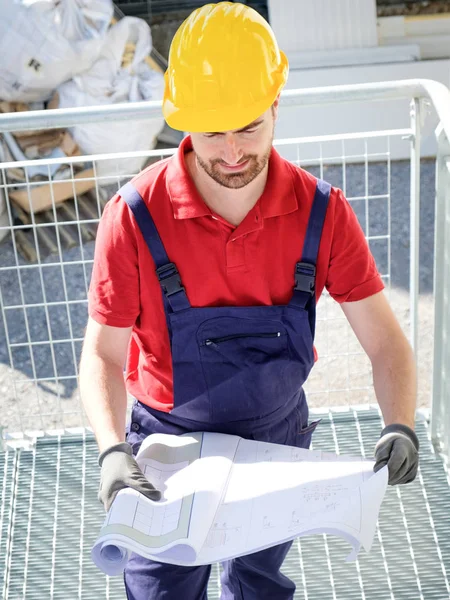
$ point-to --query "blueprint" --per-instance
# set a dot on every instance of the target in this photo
(224, 496)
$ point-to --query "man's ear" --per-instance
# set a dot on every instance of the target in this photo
(275, 104)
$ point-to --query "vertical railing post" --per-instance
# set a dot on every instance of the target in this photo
(414, 223)
(440, 412)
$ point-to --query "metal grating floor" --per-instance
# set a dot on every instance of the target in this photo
(50, 518)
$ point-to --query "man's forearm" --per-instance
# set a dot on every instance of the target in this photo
(395, 382)
(104, 399)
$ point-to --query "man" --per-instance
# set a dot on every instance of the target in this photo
(207, 271)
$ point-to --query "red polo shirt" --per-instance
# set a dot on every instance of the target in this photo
(219, 264)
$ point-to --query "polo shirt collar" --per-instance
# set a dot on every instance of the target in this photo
(278, 198)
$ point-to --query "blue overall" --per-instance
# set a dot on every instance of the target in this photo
(237, 370)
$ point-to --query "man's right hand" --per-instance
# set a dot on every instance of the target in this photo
(119, 470)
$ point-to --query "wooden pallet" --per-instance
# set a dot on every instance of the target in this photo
(74, 222)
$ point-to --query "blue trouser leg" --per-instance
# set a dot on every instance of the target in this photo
(150, 580)
(252, 577)
(257, 576)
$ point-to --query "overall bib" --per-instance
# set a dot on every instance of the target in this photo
(237, 370)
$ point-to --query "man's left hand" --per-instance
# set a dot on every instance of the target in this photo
(398, 448)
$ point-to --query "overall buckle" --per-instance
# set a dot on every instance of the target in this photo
(169, 279)
(305, 277)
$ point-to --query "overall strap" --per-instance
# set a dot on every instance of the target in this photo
(305, 270)
(166, 271)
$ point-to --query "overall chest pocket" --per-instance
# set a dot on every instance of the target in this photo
(243, 362)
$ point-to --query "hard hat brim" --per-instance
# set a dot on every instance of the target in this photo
(218, 120)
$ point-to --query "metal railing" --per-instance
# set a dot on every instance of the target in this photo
(45, 262)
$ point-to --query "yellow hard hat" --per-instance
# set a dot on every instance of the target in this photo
(225, 69)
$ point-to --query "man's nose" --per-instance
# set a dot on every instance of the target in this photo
(232, 154)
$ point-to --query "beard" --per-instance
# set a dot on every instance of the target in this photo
(256, 163)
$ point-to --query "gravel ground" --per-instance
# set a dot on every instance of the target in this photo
(339, 378)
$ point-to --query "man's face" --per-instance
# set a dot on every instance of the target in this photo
(234, 158)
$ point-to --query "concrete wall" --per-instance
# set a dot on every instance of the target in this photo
(302, 25)
(344, 118)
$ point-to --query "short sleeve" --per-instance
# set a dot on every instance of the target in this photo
(352, 272)
(114, 286)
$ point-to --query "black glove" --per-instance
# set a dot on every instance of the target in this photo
(119, 470)
(398, 448)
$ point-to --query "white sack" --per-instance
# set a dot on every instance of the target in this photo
(46, 42)
(107, 82)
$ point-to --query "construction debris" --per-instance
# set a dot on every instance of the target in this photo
(36, 187)
(396, 8)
